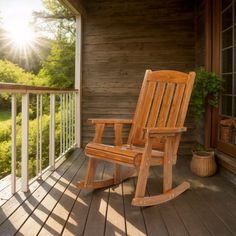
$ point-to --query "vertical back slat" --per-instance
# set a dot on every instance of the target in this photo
(177, 101)
(166, 105)
(186, 98)
(156, 104)
(136, 119)
(163, 102)
(145, 109)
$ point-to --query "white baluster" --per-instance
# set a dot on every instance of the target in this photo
(61, 125)
(69, 120)
(64, 132)
(52, 132)
(40, 133)
(37, 135)
(24, 148)
(13, 147)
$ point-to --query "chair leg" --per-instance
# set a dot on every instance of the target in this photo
(168, 192)
(167, 167)
(117, 174)
(89, 181)
(142, 182)
(90, 174)
(143, 171)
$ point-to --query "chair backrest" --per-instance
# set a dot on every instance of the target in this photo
(163, 102)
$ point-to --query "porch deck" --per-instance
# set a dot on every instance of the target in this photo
(55, 206)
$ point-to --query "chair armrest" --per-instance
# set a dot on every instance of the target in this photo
(152, 132)
(100, 124)
(110, 121)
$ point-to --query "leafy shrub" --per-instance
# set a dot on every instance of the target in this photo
(5, 144)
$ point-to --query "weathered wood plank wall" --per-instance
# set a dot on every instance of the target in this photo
(121, 40)
(200, 53)
(200, 32)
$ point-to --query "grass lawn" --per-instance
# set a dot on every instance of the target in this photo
(5, 115)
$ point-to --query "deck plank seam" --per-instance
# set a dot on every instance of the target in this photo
(184, 173)
(83, 232)
(29, 215)
(74, 175)
(200, 218)
(173, 206)
(45, 177)
(105, 222)
(159, 211)
(177, 212)
(69, 214)
(141, 208)
(44, 181)
(123, 201)
(214, 212)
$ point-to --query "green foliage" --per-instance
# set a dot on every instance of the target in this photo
(5, 144)
(207, 88)
(57, 20)
(5, 115)
(11, 73)
(59, 68)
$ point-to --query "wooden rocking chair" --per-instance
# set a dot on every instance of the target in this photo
(153, 140)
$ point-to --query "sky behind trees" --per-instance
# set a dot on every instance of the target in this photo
(15, 12)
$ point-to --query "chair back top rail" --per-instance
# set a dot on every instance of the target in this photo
(20, 88)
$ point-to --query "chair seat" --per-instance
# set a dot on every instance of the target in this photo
(126, 154)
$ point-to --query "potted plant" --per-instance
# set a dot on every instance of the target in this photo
(206, 91)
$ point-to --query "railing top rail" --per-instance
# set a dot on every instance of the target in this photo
(20, 88)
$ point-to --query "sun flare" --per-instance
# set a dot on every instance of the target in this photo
(21, 37)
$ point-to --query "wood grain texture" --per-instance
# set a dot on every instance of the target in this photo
(196, 212)
(121, 40)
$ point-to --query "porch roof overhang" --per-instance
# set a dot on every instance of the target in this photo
(75, 6)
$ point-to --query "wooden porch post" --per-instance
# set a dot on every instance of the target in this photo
(212, 63)
(215, 64)
(78, 78)
(208, 66)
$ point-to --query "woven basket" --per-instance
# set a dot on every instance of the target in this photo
(225, 134)
(234, 136)
(203, 163)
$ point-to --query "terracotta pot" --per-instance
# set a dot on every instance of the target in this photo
(203, 163)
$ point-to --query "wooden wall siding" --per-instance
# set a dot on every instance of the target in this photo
(200, 33)
(200, 53)
(121, 40)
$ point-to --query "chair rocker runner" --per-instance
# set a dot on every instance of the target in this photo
(153, 140)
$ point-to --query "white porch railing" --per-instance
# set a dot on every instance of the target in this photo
(62, 100)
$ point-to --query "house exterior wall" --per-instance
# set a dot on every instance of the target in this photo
(200, 54)
(121, 39)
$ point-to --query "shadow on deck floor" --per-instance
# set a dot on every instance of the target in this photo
(55, 206)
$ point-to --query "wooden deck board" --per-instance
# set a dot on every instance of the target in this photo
(76, 222)
(17, 211)
(39, 205)
(115, 220)
(134, 218)
(56, 207)
(59, 201)
(98, 209)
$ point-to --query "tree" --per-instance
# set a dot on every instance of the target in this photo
(11, 73)
(57, 21)
(58, 69)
